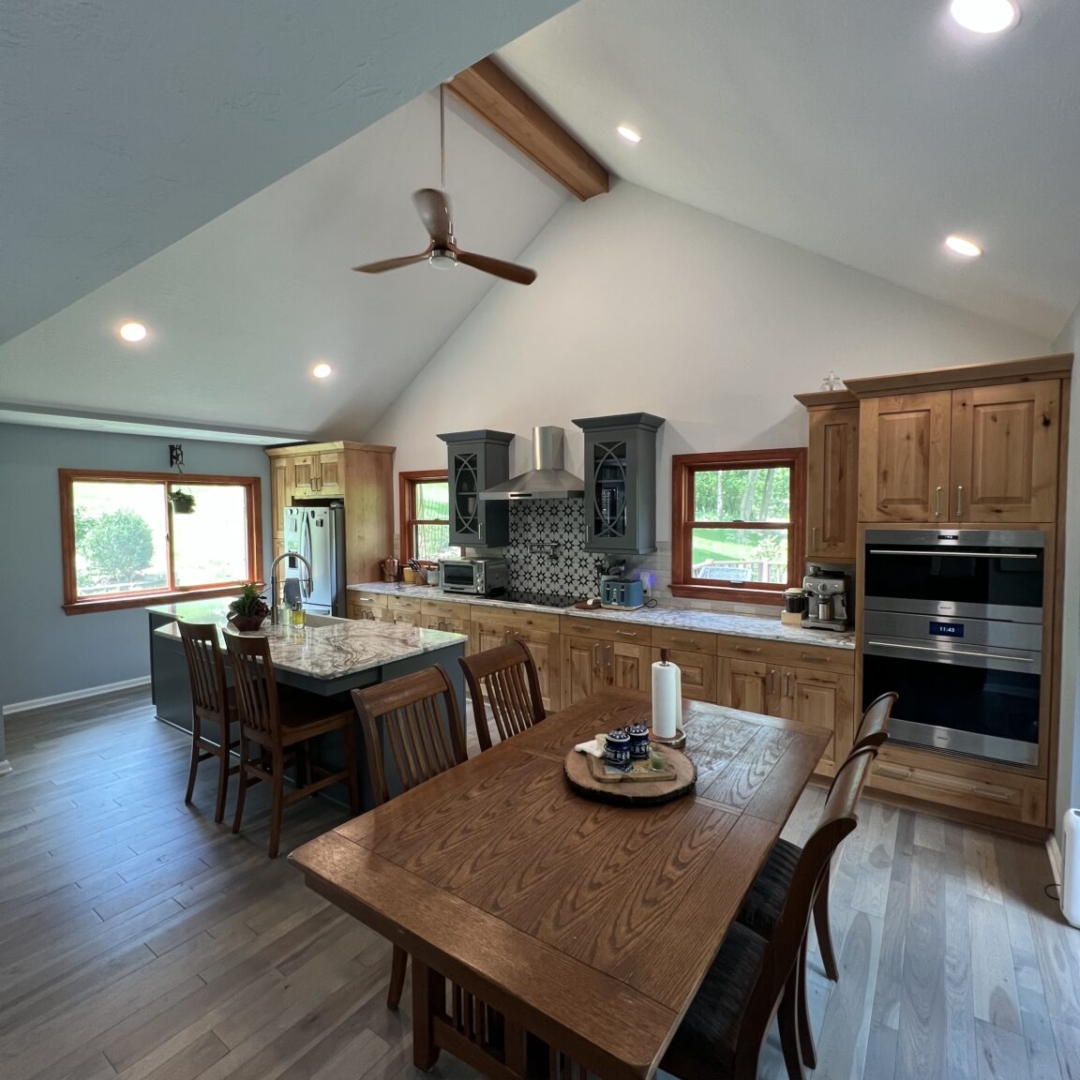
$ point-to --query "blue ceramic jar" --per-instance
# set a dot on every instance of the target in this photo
(639, 742)
(617, 748)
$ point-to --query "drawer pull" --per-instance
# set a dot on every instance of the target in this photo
(810, 658)
(747, 649)
(682, 644)
(628, 633)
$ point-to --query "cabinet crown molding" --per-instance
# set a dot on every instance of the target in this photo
(1058, 366)
(318, 447)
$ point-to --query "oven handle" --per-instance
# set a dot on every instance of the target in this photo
(955, 554)
(954, 652)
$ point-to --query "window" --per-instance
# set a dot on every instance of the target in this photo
(737, 524)
(125, 543)
(425, 516)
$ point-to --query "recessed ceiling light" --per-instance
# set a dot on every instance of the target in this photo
(132, 331)
(628, 133)
(985, 16)
(321, 371)
(962, 246)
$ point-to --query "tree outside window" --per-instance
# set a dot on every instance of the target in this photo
(425, 515)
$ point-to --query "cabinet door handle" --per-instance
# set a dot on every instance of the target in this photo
(596, 656)
(789, 681)
(772, 680)
(586, 534)
(627, 633)
(480, 531)
(813, 538)
(959, 500)
(609, 656)
(937, 502)
(747, 649)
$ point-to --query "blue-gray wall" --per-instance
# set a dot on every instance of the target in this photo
(44, 651)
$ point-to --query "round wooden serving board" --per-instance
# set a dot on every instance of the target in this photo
(631, 792)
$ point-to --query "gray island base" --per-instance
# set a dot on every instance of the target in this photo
(328, 660)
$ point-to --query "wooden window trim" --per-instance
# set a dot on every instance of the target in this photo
(683, 467)
(407, 481)
(72, 605)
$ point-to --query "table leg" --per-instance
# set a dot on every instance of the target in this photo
(428, 997)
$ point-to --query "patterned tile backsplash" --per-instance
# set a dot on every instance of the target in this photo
(569, 570)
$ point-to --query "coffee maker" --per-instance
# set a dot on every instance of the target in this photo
(827, 600)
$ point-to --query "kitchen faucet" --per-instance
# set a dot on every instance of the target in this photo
(274, 581)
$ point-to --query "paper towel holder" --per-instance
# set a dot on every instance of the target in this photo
(678, 741)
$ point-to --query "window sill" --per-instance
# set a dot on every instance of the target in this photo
(120, 603)
(729, 594)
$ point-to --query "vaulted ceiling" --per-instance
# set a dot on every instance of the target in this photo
(214, 170)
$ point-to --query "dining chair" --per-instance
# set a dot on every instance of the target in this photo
(211, 701)
(763, 903)
(507, 674)
(281, 726)
(754, 979)
(419, 719)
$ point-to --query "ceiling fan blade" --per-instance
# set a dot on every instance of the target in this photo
(393, 264)
(434, 209)
(520, 275)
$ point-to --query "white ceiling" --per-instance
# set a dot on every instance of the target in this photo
(240, 310)
(865, 132)
(127, 124)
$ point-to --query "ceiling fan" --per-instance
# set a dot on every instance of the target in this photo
(442, 251)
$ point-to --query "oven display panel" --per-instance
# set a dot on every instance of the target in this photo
(946, 629)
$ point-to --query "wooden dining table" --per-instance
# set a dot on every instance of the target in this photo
(589, 926)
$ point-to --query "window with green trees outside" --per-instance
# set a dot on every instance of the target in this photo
(129, 537)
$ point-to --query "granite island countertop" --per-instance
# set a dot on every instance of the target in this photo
(713, 622)
(318, 652)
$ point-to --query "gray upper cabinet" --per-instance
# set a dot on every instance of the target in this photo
(477, 460)
(620, 482)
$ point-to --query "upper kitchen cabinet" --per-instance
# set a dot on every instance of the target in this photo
(359, 476)
(620, 482)
(832, 489)
(477, 460)
(978, 444)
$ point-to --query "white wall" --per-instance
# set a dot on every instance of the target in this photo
(643, 303)
(1068, 776)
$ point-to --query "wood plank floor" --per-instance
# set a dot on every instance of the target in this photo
(140, 940)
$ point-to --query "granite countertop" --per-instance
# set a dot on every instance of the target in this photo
(714, 622)
(319, 652)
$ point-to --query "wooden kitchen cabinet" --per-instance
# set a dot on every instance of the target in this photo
(975, 454)
(491, 627)
(477, 460)
(591, 665)
(404, 610)
(904, 457)
(371, 608)
(824, 699)
(751, 685)
(452, 618)
(697, 673)
(358, 475)
(832, 488)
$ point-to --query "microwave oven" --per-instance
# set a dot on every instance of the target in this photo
(480, 577)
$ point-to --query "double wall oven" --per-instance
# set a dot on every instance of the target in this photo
(953, 620)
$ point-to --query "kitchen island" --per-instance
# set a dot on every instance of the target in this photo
(329, 660)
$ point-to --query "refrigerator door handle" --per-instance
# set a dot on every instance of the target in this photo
(306, 583)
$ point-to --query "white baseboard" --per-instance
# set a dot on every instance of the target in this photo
(1054, 851)
(74, 695)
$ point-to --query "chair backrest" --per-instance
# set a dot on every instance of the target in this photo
(838, 820)
(508, 674)
(873, 728)
(256, 688)
(424, 740)
(206, 669)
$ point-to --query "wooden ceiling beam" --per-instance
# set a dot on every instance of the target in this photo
(501, 103)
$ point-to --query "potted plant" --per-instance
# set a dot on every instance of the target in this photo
(183, 502)
(249, 609)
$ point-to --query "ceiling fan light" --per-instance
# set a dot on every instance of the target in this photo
(442, 259)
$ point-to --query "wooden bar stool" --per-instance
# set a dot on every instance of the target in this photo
(211, 700)
(280, 727)
(424, 741)
(508, 676)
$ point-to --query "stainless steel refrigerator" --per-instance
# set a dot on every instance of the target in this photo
(317, 533)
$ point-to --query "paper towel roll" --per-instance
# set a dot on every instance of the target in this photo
(666, 699)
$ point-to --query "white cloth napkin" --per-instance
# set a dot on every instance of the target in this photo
(595, 747)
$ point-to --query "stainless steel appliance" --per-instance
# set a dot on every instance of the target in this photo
(318, 534)
(827, 600)
(547, 479)
(481, 577)
(953, 621)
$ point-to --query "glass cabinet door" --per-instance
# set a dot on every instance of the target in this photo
(465, 526)
(608, 468)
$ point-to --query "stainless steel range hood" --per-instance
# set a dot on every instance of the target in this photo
(547, 479)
